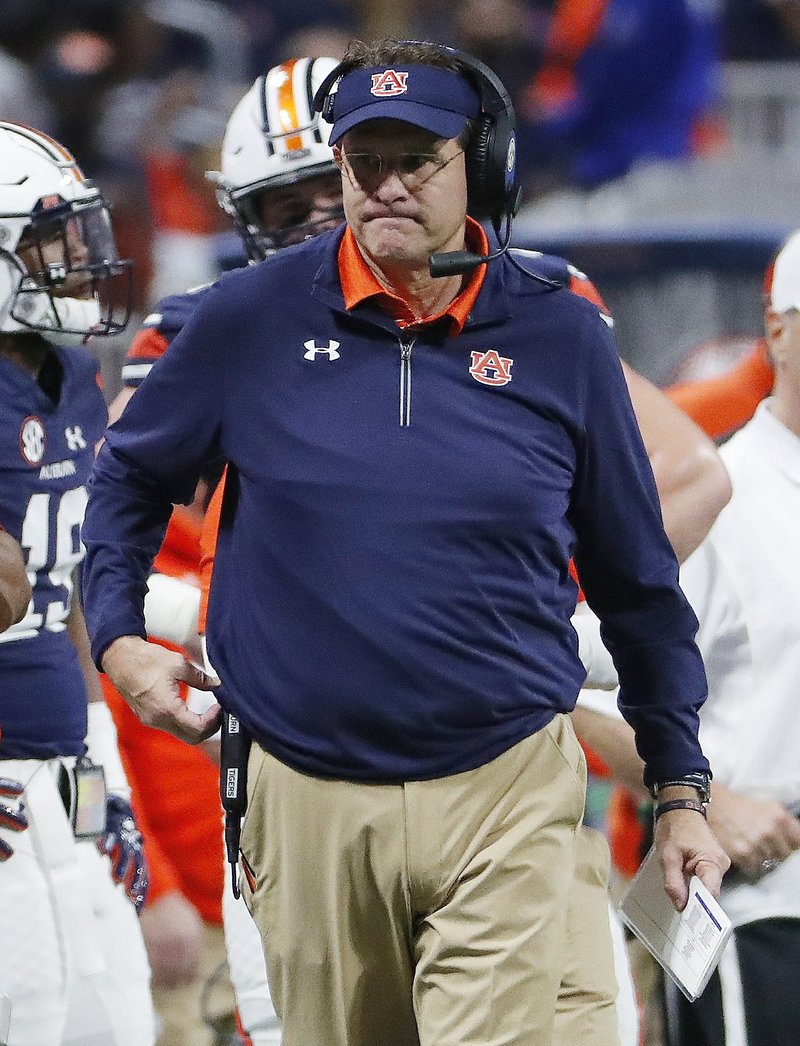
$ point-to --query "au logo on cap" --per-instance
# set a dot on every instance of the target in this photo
(389, 83)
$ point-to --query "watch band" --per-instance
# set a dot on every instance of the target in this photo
(701, 783)
(678, 804)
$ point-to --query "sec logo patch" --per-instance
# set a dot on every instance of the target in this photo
(32, 440)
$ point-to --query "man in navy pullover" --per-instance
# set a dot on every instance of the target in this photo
(413, 462)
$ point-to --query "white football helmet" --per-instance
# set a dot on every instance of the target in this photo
(60, 275)
(275, 139)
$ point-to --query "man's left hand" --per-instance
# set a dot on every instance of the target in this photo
(686, 846)
(122, 843)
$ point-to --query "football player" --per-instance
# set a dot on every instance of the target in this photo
(279, 186)
(77, 971)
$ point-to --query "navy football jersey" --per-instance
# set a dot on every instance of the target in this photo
(46, 455)
(157, 332)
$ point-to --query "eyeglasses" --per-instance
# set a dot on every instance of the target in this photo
(413, 169)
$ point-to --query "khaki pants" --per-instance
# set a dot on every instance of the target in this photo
(432, 912)
(586, 1013)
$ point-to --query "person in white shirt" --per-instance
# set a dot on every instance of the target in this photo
(742, 583)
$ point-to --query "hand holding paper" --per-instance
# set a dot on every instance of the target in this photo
(686, 846)
(688, 944)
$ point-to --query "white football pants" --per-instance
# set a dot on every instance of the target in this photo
(72, 958)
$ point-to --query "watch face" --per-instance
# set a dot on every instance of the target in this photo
(701, 782)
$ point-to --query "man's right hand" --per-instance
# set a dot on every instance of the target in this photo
(149, 676)
(686, 846)
(11, 817)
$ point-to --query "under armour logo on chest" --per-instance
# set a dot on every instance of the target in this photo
(330, 351)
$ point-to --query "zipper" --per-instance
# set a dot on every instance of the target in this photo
(405, 381)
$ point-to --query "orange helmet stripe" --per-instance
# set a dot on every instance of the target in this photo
(61, 151)
(287, 106)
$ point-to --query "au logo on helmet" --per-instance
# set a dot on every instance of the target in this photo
(388, 83)
(490, 368)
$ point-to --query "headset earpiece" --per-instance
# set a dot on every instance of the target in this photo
(477, 157)
(492, 187)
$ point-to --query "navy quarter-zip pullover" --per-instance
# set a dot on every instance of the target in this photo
(391, 596)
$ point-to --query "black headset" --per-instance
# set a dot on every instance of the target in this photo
(492, 186)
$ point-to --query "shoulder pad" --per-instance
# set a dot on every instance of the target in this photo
(172, 313)
(545, 266)
(561, 272)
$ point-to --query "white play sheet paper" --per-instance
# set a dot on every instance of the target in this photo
(687, 944)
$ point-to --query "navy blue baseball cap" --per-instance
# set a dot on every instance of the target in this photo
(438, 100)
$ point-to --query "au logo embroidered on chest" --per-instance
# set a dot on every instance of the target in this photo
(329, 351)
(490, 368)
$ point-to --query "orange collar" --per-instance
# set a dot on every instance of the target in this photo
(359, 283)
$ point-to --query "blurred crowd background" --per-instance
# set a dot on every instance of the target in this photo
(657, 138)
